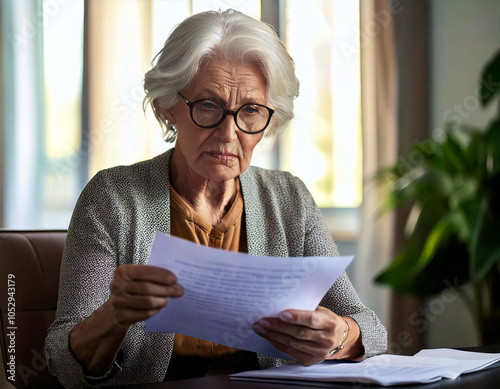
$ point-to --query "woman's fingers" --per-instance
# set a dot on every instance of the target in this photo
(275, 325)
(153, 274)
(315, 345)
(317, 326)
(319, 319)
(303, 358)
(307, 336)
(142, 303)
(145, 280)
(139, 291)
(144, 288)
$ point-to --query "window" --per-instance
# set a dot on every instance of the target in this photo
(62, 57)
(323, 145)
(50, 163)
(42, 72)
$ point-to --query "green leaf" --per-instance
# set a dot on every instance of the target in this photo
(475, 155)
(432, 210)
(425, 148)
(494, 206)
(465, 190)
(450, 265)
(439, 233)
(454, 153)
(485, 242)
(493, 147)
(486, 252)
(490, 80)
(401, 273)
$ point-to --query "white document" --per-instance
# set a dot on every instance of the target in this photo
(227, 292)
(385, 370)
(466, 361)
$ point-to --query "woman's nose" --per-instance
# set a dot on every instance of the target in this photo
(227, 130)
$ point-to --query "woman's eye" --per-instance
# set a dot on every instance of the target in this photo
(251, 109)
(209, 105)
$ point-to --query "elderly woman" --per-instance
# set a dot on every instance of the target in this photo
(222, 81)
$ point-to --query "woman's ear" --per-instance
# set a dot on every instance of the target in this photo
(164, 113)
(169, 114)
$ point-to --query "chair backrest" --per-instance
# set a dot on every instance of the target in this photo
(29, 280)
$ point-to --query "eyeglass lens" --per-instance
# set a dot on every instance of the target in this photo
(249, 117)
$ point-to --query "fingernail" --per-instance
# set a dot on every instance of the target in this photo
(264, 323)
(285, 316)
(257, 328)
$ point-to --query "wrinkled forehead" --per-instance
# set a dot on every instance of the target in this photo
(228, 78)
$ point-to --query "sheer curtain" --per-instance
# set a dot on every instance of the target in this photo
(379, 118)
(394, 104)
(21, 88)
(119, 50)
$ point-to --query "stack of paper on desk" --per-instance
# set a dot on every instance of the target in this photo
(226, 292)
(386, 370)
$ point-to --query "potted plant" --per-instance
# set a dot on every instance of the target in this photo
(452, 235)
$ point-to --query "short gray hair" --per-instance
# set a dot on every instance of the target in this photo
(234, 37)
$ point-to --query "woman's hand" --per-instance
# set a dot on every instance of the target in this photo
(138, 292)
(309, 336)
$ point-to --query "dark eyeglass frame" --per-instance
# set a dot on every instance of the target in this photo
(227, 112)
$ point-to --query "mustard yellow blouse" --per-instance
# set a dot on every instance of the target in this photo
(194, 357)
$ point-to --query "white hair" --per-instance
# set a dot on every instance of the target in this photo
(234, 37)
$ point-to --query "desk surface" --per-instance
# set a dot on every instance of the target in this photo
(488, 378)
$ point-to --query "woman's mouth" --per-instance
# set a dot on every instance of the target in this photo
(224, 157)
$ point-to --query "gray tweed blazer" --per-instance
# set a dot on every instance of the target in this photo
(114, 223)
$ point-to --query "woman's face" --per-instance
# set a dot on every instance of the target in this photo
(223, 152)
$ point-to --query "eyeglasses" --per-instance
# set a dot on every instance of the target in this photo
(250, 118)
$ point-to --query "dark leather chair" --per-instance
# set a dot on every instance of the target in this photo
(31, 261)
